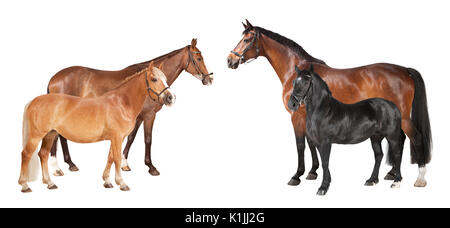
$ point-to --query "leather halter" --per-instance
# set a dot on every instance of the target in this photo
(192, 60)
(302, 100)
(254, 40)
(153, 91)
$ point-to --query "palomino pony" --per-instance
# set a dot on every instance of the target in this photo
(403, 86)
(111, 116)
(329, 121)
(87, 82)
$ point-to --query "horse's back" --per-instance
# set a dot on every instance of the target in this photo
(88, 82)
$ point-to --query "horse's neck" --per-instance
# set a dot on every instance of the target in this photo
(173, 65)
(282, 58)
(131, 94)
(318, 100)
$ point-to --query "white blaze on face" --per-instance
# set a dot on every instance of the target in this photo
(161, 76)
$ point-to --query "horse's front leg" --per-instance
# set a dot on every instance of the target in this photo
(130, 140)
(312, 175)
(116, 149)
(299, 123)
(148, 128)
(324, 150)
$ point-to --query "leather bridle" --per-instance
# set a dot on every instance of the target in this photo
(254, 40)
(153, 91)
(192, 60)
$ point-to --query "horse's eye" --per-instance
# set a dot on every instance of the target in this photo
(154, 80)
(199, 59)
(246, 40)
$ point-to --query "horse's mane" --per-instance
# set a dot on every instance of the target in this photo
(127, 79)
(157, 58)
(287, 42)
(320, 82)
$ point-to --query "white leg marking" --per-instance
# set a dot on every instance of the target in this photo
(124, 162)
(396, 184)
(421, 182)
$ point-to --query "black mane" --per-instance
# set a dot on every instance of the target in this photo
(289, 43)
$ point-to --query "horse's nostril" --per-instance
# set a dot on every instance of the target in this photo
(170, 97)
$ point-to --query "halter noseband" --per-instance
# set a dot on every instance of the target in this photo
(192, 60)
(241, 56)
(153, 91)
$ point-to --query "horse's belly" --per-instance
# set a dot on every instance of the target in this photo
(82, 131)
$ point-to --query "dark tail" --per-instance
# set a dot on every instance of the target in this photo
(421, 149)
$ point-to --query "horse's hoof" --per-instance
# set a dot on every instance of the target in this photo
(396, 184)
(52, 186)
(27, 190)
(321, 192)
(371, 183)
(125, 188)
(73, 168)
(108, 185)
(420, 183)
(58, 173)
(311, 176)
(153, 172)
(389, 177)
(126, 168)
(294, 182)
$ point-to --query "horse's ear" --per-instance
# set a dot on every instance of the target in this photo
(311, 68)
(194, 42)
(150, 65)
(250, 26)
(245, 26)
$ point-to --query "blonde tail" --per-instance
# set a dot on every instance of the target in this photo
(33, 166)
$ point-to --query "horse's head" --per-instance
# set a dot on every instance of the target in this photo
(302, 85)
(157, 87)
(247, 48)
(196, 65)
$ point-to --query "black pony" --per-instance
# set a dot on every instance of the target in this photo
(330, 121)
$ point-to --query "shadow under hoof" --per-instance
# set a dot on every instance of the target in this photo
(311, 176)
(294, 182)
(321, 192)
(420, 183)
(53, 186)
(58, 173)
(26, 190)
(154, 172)
(389, 177)
(73, 168)
(108, 185)
(125, 188)
(126, 169)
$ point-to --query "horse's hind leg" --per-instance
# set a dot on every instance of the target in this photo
(29, 148)
(376, 146)
(47, 143)
(391, 174)
(394, 149)
(53, 160)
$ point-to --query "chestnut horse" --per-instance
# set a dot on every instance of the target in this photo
(85, 82)
(403, 86)
(111, 116)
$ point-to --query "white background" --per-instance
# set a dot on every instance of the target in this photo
(231, 144)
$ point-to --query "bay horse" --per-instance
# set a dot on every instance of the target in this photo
(86, 82)
(111, 116)
(329, 121)
(400, 85)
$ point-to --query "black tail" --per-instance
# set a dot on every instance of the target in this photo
(421, 150)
